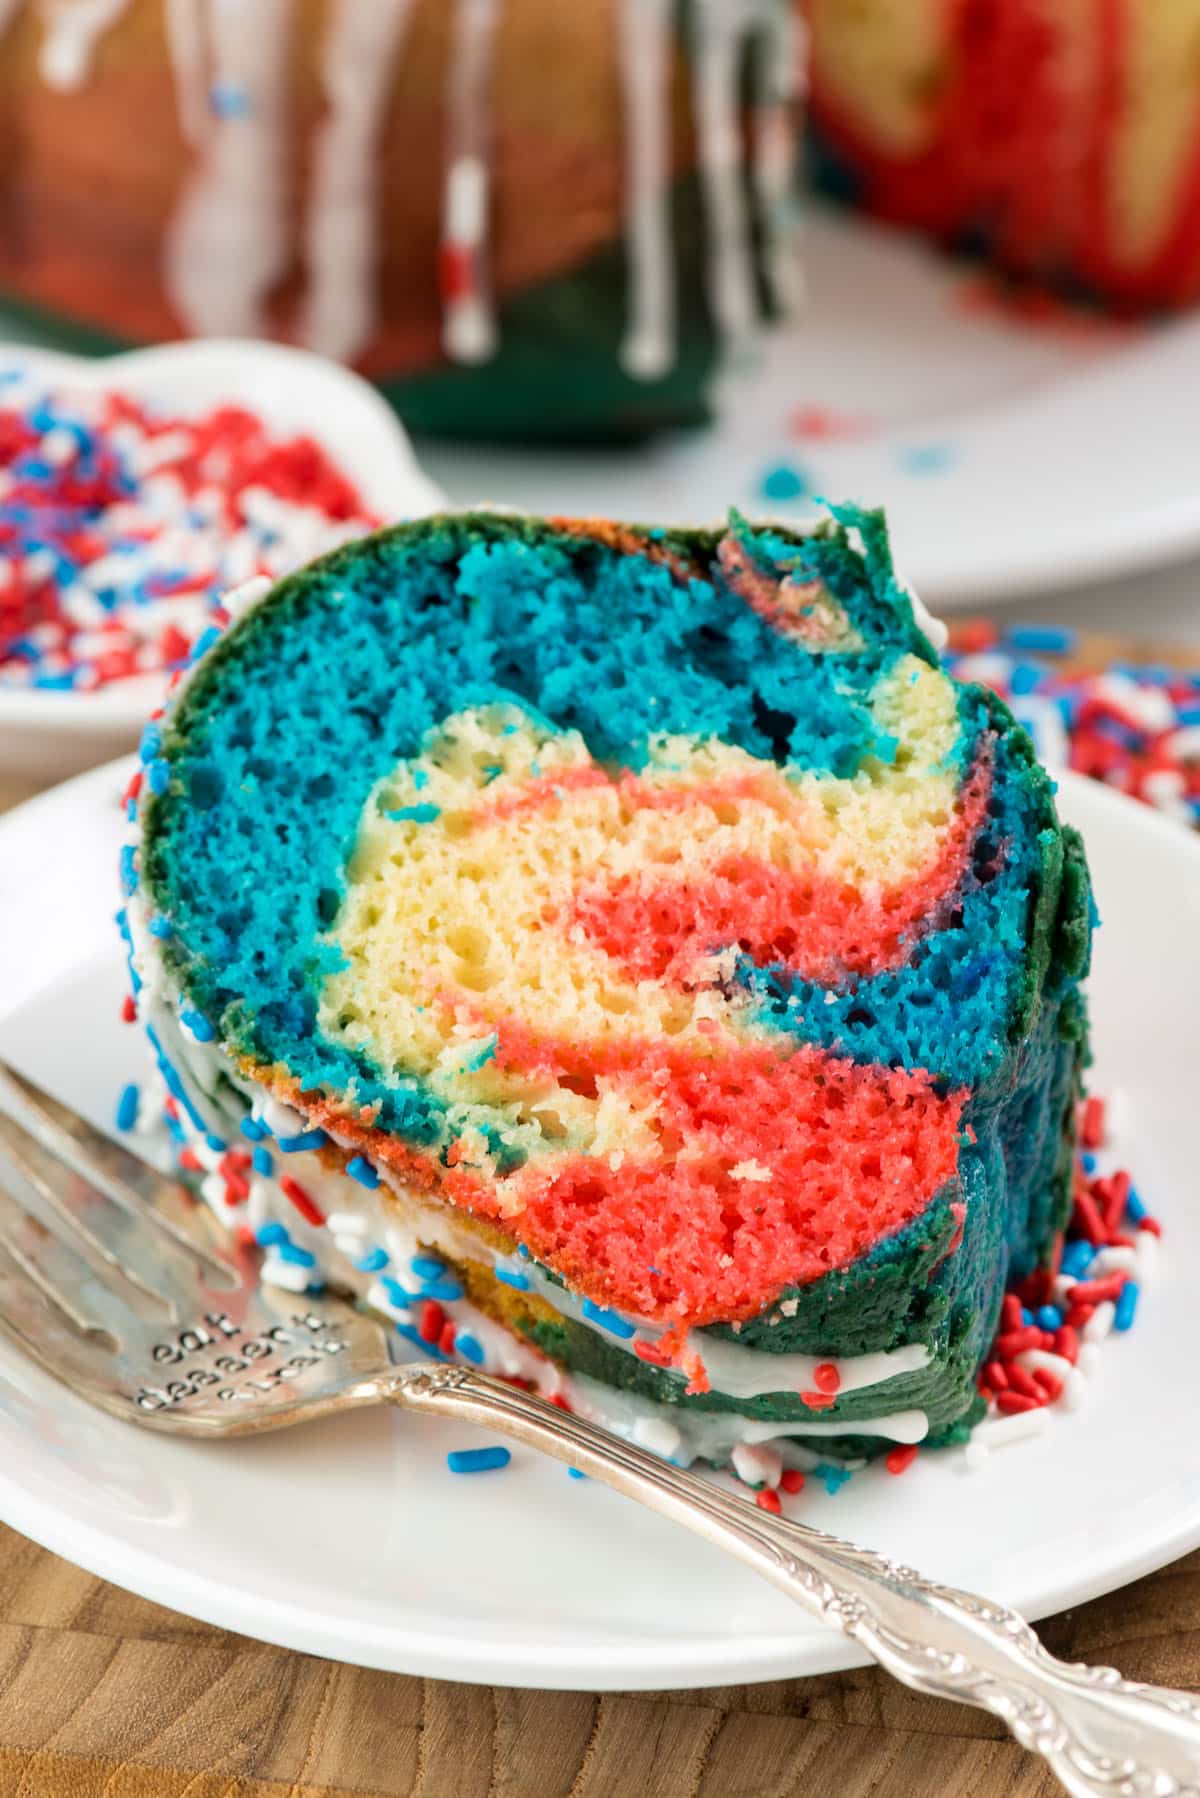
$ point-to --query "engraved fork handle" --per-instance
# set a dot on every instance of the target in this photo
(1100, 1733)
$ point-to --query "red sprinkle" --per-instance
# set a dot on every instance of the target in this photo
(826, 1377)
(1049, 1383)
(1152, 1225)
(653, 1353)
(1009, 1402)
(1088, 1218)
(1066, 1344)
(767, 1500)
(1079, 1315)
(1093, 1292)
(791, 1480)
(1015, 1342)
(1010, 1311)
(128, 1010)
(1022, 1381)
(1091, 1128)
(446, 1339)
(899, 1460)
(817, 1401)
(432, 1322)
(996, 1376)
(308, 1208)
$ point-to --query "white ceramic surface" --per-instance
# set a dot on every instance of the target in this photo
(1013, 456)
(351, 1539)
(51, 734)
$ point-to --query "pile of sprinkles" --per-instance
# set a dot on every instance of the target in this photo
(121, 524)
(1130, 723)
(1046, 1344)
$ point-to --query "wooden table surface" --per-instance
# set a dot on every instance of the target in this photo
(104, 1695)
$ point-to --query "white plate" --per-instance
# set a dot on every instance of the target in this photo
(351, 1538)
(52, 734)
(1012, 457)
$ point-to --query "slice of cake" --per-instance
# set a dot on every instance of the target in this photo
(625, 957)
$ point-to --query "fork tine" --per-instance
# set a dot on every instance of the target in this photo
(21, 1150)
(121, 1176)
(63, 1279)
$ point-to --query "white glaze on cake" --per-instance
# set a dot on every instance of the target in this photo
(361, 49)
(72, 30)
(648, 349)
(469, 325)
(228, 242)
(231, 241)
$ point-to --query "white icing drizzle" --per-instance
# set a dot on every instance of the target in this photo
(188, 50)
(360, 53)
(648, 349)
(469, 326)
(228, 244)
(73, 28)
(780, 80)
(720, 28)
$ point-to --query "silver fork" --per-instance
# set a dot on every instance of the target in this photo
(120, 1284)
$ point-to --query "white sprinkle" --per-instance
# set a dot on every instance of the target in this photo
(277, 1272)
(757, 1464)
(1100, 1322)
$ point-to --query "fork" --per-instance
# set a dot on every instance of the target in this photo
(120, 1284)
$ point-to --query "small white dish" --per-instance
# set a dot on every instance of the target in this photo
(50, 734)
(1014, 455)
(351, 1539)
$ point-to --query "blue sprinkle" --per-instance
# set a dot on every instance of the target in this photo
(784, 481)
(373, 1262)
(204, 643)
(203, 1032)
(522, 1251)
(575, 1473)
(427, 1267)
(129, 877)
(396, 1293)
(270, 1236)
(477, 1460)
(518, 1281)
(158, 776)
(928, 458)
(1026, 1316)
(1026, 678)
(608, 1320)
(1049, 1317)
(1135, 1207)
(215, 1143)
(150, 744)
(229, 100)
(263, 1162)
(161, 928)
(1041, 639)
(468, 1348)
(414, 1336)
(1077, 1257)
(251, 1128)
(1126, 1305)
(290, 1251)
(1089, 1161)
(831, 1477)
(445, 1291)
(308, 1139)
(416, 814)
(1187, 714)
(127, 1107)
(363, 1172)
